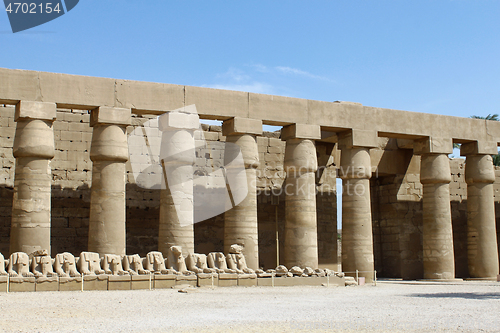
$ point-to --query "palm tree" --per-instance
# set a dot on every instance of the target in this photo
(494, 117)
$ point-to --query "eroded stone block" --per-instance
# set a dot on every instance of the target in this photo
(47, 284)
(142, 282)
(119, 282)
(164, 281)
(21, 284)
(228, 280)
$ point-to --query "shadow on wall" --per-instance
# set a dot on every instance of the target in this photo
(6, 194)
(397, 231)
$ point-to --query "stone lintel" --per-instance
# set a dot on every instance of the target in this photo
(179, 120)
(301, 131)
(239, 125)
(106, 115)
(433, 145)
(479, 148)
(404, 143)
(35, 110)
(358, 139)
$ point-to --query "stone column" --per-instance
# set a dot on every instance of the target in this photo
(240, 222)
(33, 150)
(356, 171)
(435, 176)
(176, 199)
(482, 250)
(301, 235)
(108, 152)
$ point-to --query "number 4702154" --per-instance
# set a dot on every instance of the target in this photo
(32, 8)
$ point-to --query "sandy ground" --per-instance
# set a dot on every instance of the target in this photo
(390, 306)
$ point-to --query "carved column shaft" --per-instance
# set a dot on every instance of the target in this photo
(33, 150)
(482, 251)
(176, 199)
(301, 234)
(438, 257)
(240, 222)
(109, 152)
(357, 234)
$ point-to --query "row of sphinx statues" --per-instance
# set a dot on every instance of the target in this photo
(41, 264)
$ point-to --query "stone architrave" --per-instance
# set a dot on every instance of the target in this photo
(176, 198)
(301, 235)
(33, 150)
(482, 250)
(435, 176)
(109, 152)
(240, 222)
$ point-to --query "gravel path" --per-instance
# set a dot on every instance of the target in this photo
(391, 306)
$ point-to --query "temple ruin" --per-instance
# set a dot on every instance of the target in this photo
(73, 207)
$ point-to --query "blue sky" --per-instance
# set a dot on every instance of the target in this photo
(437, 56)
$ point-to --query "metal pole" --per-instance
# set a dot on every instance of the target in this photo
(277, 239)
(150, 280)
(357, 276)
(8, 283)
(275, 201)
(375, 277)
(82, 281)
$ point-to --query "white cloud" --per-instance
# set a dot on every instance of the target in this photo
(255, 87)
(234, 74)
(260, 68)
(254, 77)
(295, 71)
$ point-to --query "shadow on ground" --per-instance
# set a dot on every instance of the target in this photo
(479, 296)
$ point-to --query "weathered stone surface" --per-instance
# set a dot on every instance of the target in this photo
(482, 247)
(148, 97)
(239, 125)
(438, 257)
(301, 131)
(358, 138)
(357, 234)
(301, 240)
(240, 222)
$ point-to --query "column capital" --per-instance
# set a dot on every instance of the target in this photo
(301, 131)
(433, 145)
(479, 148)
(435, 169)
(106, 115)
(35, 110)
(479, 169)
(356, 138)
(239, 125)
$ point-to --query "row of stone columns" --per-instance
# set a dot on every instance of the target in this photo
(435, 176)
(34, 147)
